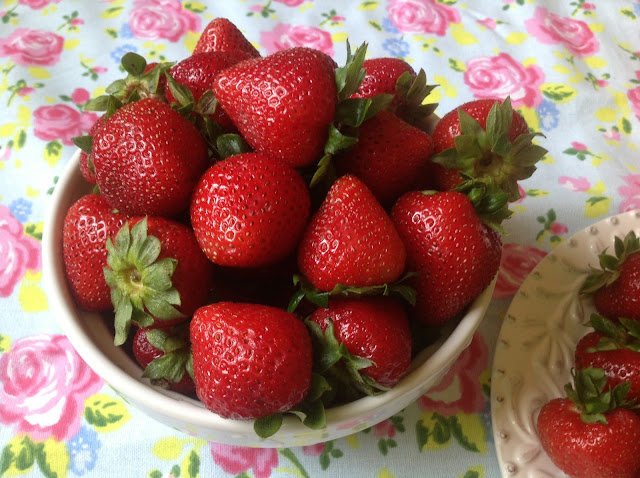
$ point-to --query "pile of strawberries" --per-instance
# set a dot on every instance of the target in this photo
(284, 233)
(594, 431)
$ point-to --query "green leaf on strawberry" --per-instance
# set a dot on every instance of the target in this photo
(610, 264)
(623, 333)
(311, 411)
(141, 287)
(174, 363)
(142, 81)
(412, 94)
(333, 361)
(320, 298)
(590, 396)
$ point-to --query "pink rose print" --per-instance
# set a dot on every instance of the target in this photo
(286, 36)
(634, 98)
(422, 16)
(579, 184)
(550, 28)
(313, 450)
(515, 265)
(18, 252)
(61, 122)
(80, 96)
(237, 459)
(464, 373)
(164, 19)
(490, 23)
(292, 3)
(501, 76)
(37, 4)
(43, 386)
(630, 193)
(384, 429)
(32, 47)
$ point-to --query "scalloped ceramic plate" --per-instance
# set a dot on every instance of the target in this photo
(534, 353)
(94, 343)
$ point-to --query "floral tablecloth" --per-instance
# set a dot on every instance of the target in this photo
(572, 68)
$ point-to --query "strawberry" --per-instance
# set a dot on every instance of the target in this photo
(87, 225)
(350, 240)
(158, 274)
(222, 35)
(249, 210)
(164, 354)
(250, 360)
(396, 77)
(485, 140)
(197, 72)
(148, 158)
(591, 433)
(388, 156)
(365, 343)
(282, 104)
(455, 254)
(615, 286)
(614, 346)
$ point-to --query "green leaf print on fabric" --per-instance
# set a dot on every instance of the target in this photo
(105, 413)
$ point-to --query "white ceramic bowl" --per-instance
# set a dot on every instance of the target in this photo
(94, 342)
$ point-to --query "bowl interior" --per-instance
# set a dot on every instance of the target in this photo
(93, 341)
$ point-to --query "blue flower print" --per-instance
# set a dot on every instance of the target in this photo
(388, 26)
(119, 52)
(125, 31)
(548, 113)
(396, 47)
(20, 209)
(83, 449)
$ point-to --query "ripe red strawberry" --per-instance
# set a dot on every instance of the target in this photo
(86, 161)
(350, 240)
(375, 329)
(282, 104)
(455, 254)
(615, 348)
(158, 274)
(249, 210)
(589, 434)
(197, 72)
(388, 156)
(164, 354)
(148, 158)
(394, 76)
(487, 140)
(616, 285)
(222, 35)
(87, 225)
(250, 360)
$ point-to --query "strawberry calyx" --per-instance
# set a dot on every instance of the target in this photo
(140, 282)
(176, 361)
(489, 155)
(138, 84)
(342, 370)
(610, 264)
(590, 397)
(616, 335)
(306, 290)
(311, 411)
(350, 112)
(412, 94)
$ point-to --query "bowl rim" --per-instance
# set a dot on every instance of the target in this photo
(192, 411)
